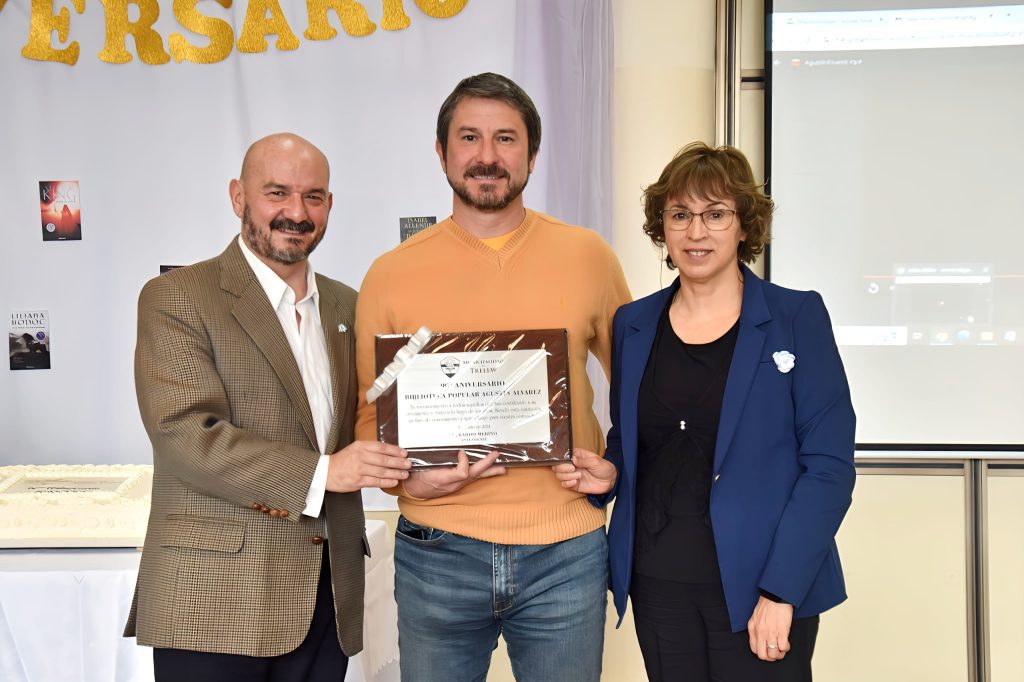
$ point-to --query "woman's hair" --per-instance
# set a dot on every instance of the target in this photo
(701, 172)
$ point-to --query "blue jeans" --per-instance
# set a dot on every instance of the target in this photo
(456, 595)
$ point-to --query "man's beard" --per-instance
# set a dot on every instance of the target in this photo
(260, 241)
(488, 199)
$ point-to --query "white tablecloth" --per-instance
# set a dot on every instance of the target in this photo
(62, 612)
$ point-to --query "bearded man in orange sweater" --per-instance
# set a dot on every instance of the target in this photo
(482, 550)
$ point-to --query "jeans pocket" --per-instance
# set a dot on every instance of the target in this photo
(417, 534)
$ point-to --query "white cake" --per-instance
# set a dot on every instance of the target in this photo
(74, 505)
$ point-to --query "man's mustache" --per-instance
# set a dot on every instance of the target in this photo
(282, 223)
(492, 170)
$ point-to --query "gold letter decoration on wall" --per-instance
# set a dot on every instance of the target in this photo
(353, 19)
(258, 25)
(222, 37)
(43, 23)
(395, 18)
(262, 18)
(148, 42)
(441, 9)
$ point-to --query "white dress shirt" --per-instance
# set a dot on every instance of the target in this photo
(306, 339)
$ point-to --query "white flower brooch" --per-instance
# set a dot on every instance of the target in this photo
(784, 360)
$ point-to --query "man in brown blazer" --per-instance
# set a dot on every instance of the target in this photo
(253, 563)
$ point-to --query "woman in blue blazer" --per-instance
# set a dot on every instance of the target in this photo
(730, 457)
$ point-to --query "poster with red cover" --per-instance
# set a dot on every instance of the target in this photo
(60, 208)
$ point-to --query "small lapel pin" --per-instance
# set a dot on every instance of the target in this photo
(342, 327)
(784, 360)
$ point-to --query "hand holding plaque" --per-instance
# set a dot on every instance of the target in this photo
(477, 392)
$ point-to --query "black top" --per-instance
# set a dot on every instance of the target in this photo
(678, 408)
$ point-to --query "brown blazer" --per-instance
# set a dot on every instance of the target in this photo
(230, 563)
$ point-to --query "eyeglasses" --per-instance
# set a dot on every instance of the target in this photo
(715, 219)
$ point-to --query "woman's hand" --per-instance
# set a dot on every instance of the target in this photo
(769, 629)
(588, 473)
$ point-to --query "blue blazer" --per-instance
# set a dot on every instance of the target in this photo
(783, 469)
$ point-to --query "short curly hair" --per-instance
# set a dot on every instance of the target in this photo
(702, 172)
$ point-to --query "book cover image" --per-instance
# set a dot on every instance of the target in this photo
(29, 339)
(407, 227)
(60, 208)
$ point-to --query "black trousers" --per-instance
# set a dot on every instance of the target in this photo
(318, 659)
(685, 636)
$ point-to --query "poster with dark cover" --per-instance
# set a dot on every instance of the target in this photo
(29, 339)
(60, 209)
(407, 227)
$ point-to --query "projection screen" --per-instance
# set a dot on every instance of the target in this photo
(896, 157)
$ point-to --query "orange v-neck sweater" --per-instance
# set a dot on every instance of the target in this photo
(547, 275)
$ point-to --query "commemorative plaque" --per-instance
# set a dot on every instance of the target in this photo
(479, 391)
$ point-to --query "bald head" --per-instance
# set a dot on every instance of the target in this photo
(280, 146)
(283, 201)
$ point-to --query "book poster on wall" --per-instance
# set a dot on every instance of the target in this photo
(29, 339)
(407, 227)
(60, 208)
